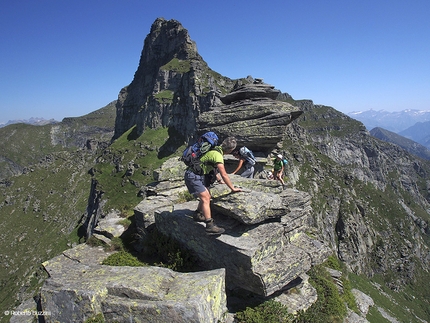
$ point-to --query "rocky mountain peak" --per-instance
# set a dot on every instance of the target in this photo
(175, 36)
(171, 86)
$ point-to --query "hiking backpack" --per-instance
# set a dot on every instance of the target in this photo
(284, 161)
(248, 155)
(192, 154)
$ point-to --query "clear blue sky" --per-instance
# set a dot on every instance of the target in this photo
(64, 58)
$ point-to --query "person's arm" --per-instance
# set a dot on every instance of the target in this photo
(219, 179)
(226, 178)
(238, 166)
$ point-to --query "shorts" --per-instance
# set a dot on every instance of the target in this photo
(248, 172)
(194, 183)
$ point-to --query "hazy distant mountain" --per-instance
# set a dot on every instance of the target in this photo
(407, 144)
(34, 121)
(419, 132)
(393, 121)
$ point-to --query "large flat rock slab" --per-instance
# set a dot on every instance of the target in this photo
(76, 291)
(257, 258)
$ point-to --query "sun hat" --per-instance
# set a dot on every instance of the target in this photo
(279, 156)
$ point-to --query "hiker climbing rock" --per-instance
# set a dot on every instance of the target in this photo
(211, 163)
(278, 169)
(246, 159)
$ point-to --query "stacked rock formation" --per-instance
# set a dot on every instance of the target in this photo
(252, 114)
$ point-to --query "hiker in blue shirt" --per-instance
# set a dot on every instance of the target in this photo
(246, 159)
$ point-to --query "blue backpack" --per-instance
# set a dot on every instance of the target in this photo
(248, 155)
(192, 154)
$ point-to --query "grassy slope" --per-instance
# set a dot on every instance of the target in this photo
(40, 209)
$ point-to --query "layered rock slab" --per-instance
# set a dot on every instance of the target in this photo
(257, 258)
(260, 124)
(80, 288)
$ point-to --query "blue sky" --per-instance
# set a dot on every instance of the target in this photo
(65, 58)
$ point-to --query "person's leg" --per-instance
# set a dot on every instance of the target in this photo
(248, 172)
(195, 187)
(278, 177)
(204, 204)
(205, 208)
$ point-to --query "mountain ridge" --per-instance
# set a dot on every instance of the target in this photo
(407, 144)
(395, 121)
(370, 198)
(32, 120)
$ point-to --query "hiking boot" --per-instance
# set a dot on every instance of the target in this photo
(198, 216)
(212, 228)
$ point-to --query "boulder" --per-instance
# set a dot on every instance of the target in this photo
(364, 302)
(299, 295)
(259, 124)
(78, 289)
(256, 89)
(258, 258)
(249, 207)
(110, 225)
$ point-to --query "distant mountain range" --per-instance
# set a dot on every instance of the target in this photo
(34, 121)
(410, 124)
(419, 132)
(412, 146)
(393, 121)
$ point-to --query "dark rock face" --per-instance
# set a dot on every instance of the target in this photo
(171, 86)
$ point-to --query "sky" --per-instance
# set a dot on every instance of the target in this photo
(67, 58)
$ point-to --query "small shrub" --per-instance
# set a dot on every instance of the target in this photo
(96, 319)
(329, 306)
(95, 242)
(267, 312)
(117, 243)
(123, 258)
(333, 262)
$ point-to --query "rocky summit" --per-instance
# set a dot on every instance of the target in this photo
(172, 85)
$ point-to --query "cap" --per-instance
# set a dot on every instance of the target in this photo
(279, 156)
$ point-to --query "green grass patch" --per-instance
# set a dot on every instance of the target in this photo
(267, 312)
(128, 165)
(123, 258)
(165, 96)
(177, 65)
(405, 306)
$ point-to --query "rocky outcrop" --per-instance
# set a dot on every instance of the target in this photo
(79, 287)
(252, 115)
(172, 85)
(264, 250)
(354, 177)
(256, 90)
(265, 245)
